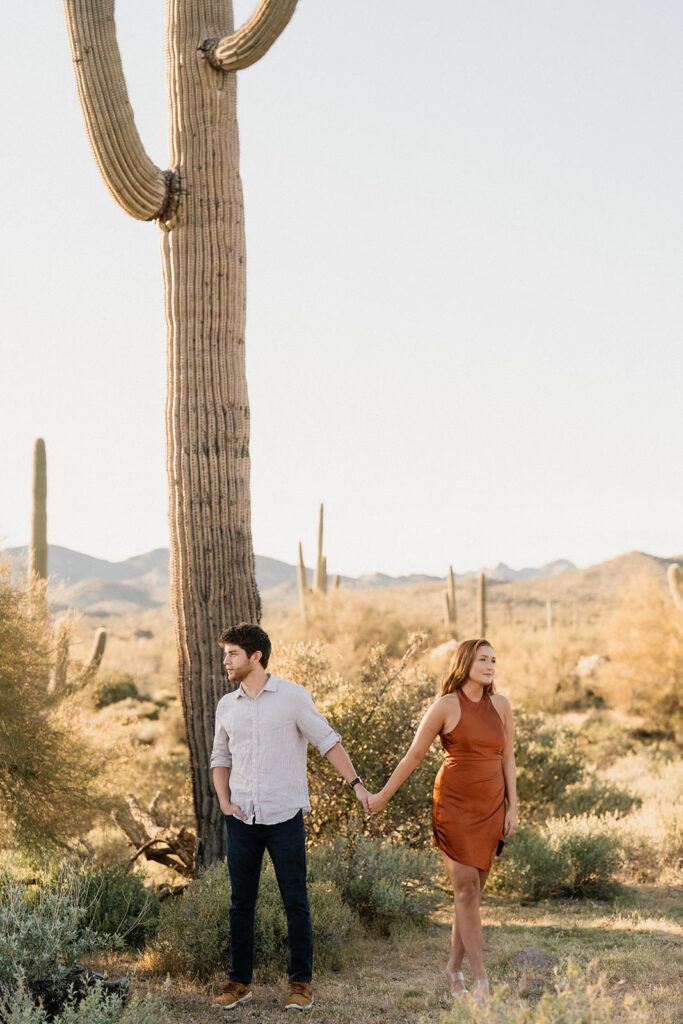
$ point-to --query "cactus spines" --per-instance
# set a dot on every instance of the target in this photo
(481, 604)
(674, 574)
(37, 559)
(449, 607)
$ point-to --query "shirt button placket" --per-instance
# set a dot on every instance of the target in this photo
(254, 762)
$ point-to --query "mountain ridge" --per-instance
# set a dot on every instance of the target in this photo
(91, 584)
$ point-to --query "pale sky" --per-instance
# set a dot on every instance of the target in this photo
(464, 246)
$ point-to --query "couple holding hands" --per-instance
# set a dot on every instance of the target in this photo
(263, 728)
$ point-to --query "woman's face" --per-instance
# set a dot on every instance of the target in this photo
(484, 666)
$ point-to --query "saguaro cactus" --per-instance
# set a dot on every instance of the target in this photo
(481, 604)
(198, 205)
(449, 608)
(675, 577)
(320, 576)
(37, 552)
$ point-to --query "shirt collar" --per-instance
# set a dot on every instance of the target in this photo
(271, 684)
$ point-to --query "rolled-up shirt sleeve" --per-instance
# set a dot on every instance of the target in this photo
(220, 755)
(312, 724)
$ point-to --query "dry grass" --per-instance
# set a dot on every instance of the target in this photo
(638, 943)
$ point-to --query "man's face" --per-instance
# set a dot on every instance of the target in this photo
(238, 663)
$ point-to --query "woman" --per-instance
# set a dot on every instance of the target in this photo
(477, 779)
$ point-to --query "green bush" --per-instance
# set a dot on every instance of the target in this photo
(578, 997)
(97, 1008)
(568, 857)
(42, 933)
(530, 868)
(548, 762)
(117, 904)
(193, 936)
(376, 718)
(194, 929)
(595, 797)
(383, 884)
(111, 687)
(592, 849)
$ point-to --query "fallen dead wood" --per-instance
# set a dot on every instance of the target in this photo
(175, 849)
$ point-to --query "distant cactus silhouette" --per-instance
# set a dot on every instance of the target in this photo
(320, 577)
(319, 574)
(37, 571)
(449, 608)
(674, 574)
(481, 604)
(37, 552)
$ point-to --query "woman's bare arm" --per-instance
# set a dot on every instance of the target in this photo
(427, 731)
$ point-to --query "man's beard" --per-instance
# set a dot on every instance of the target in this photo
(238, 675)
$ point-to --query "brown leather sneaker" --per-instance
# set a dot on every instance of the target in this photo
(232, 994)
(300, 995)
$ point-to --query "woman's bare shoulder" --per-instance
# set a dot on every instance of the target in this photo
(500, 701)
(450, 708)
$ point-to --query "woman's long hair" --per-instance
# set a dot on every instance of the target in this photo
(461, 664)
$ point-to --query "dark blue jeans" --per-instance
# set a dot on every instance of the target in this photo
(286, 844)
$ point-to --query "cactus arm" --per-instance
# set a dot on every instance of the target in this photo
(250, 42)
(136, 183)
(675, 577)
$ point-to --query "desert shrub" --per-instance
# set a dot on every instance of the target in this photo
(97, 1008)
(193, 936)
(383, 884)
(548, 760)
(592, 849)
(530, 868)
(194, 929)
(111, 687)
(594, 797)
(47, 769)
(42, 934)
(577, 997)
(117, 904)
(576, 857)
(376, 718)
(644, 674)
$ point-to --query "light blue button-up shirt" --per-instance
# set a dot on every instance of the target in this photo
(263, 741)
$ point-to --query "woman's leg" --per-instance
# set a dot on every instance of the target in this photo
(457, 953)
(466, 937)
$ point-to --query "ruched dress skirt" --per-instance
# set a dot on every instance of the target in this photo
(468, 812)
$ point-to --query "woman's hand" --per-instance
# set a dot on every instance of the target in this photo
(510, 825)
(377, 803)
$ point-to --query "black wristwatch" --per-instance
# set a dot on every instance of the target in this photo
(354, 782)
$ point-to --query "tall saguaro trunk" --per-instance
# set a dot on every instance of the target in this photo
(198, 205)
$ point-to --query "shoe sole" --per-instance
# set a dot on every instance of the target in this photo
(231, 1006)
(293, 1006)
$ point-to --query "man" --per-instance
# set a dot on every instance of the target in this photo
(259, 773)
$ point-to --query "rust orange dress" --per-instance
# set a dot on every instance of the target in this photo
(469, 792)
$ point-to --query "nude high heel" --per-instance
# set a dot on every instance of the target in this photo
(456, 978)
(481, 990)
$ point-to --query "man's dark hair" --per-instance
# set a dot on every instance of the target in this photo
(249, 638)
